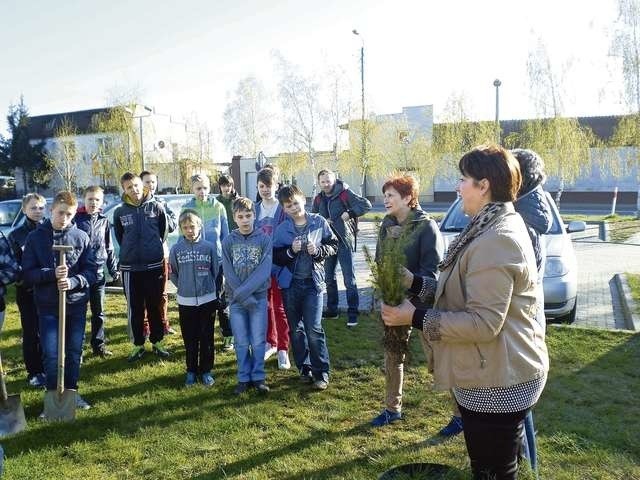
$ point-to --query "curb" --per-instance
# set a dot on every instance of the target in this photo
(631, 318)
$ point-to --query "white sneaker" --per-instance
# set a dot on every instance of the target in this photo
(283, 360)
(269, 350)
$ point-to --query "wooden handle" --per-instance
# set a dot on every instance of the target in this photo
(3, 386)
(62, 312)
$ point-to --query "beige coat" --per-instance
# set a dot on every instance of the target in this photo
(487, 303)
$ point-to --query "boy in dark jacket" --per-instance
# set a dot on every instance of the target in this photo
(33, 206)
(246, 261)
(42, 271)
(9, 270)
(140, 225)
(300, 245)
(89, 219)
(341, 207)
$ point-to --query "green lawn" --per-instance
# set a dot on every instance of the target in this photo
(145, 424)
(633, 279)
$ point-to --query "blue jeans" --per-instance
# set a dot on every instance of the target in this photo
(345, 257)
(74, 337)
(303, 306)
(96, 302)
(249, 329)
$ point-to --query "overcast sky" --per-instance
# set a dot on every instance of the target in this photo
(187, 56)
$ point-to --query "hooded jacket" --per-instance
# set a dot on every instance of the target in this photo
(215, 226)
(193, 270)
(228, 207)
(332, 207)
(284, 259)
(98, 228)
(268, 224)
(40, 260)
(17, 239)
(140, 230)
(246, 263)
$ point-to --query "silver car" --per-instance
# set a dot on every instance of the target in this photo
(560, 280)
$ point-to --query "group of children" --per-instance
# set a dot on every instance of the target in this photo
(258, 266)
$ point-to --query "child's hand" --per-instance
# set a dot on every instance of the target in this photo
(345, 216)
(296, 246)
(61, 272)
(311, 248)
(64, 284)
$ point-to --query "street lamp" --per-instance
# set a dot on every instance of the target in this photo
(363, 187)
(133, 116)
(497, 83)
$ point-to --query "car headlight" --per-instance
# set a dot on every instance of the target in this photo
(555, 267)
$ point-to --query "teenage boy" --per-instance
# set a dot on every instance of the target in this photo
(41, 269)
(215, 229)
(33, 207)
(269, 215)
(341, 207)
(246, 261)
(227, 195)
(150, 181)
(90, 220)
(141, 226)
(300, 245)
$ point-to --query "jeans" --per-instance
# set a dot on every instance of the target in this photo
(249, 329)
(303, 305)
(196, 325)
(74, 337)
(31, 347)
(345, 257)
(96, 302)
(493, 442)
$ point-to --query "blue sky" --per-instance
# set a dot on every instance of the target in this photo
(185, 57)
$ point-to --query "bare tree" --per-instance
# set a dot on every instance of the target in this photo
(247, 119)
(338, 93)
(64, 155)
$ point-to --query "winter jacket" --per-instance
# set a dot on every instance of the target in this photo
(193, 270)
(332, 207)
(17, 239)
(9, 266)
(246, 263)
(268, 224)
(140, 230)
(40, 260)
(98, 228)
(215, 226)
(488, 334)
(228, 207)
(285, 259)
(424, 248)
(536, 213)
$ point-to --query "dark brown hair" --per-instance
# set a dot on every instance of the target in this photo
(498, 166)
(286, 193)
(242, 204)
(406, 186)
(127, 177)
(267, 176)
(66, 198)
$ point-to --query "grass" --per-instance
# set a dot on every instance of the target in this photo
(145, 424)
(633, 279)
(621, 227)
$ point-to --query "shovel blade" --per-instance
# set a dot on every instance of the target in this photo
(12, 416)
(60, 407)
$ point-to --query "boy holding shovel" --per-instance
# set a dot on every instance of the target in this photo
(42, 269)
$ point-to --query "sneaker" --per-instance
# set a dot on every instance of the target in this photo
(160, 350)
(385, 418)
(169, 331)
(42, 416)
(37, 381)
(136, 353)
(241, 388)
(320, 384)
(306, 377)
(283, 360)
(352, 322)
(81, 403)
(227, 344)
(330, 315)
(190, 379)
(269, 350)
(102, 352)
(454, 427)
(261, 387)
(208, 380)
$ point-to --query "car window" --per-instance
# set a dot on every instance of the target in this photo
(8, 212)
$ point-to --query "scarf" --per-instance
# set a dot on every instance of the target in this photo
(486, 218)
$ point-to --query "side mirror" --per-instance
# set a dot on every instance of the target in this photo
(576, 226)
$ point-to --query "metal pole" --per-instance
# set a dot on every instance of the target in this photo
(497, 83)
(364, 140)
(141, 146)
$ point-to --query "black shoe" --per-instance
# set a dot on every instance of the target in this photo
(261, 387)
(306, 377)
(102, 352)
(241, 388)
(330, 315)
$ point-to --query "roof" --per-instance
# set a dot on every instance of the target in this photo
(602, 126)
(44, 126)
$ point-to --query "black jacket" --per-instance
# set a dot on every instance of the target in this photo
(98, 228)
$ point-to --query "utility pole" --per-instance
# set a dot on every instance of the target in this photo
(497, 83)
(363, 147)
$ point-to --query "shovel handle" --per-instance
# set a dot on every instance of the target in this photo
(62, 312)
(3, 385)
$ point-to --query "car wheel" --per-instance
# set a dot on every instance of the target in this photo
(571, 316)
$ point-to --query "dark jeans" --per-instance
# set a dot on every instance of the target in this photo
(140, 289)
(74, 337)
(222, 307)
(31, 348)
(529, 444)
(493, 442)
(196, 325)
(96, 302)
(345, 257)
(303, 305)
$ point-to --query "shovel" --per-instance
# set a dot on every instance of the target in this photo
(11, 412)
(60, 404)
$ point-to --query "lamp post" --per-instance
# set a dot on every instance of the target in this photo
(363, 147)
(497, 83)
(140, 117)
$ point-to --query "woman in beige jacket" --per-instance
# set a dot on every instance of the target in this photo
(487, 345)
